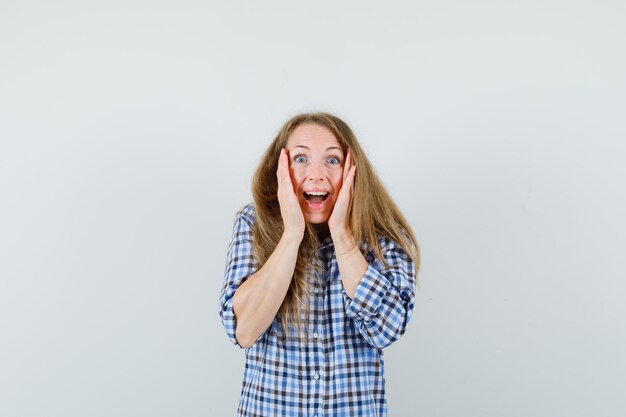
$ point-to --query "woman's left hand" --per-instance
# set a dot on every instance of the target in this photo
(338, 223)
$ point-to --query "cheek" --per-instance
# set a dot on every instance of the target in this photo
(337, 180)
(296, 178)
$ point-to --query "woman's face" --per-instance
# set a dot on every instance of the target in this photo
(316, 165)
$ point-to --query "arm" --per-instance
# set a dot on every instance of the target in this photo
(251, 297)
(352, 264)
(378, 300)
(383, 299)
(259, 298)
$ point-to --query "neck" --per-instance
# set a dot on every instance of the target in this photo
(322, 230)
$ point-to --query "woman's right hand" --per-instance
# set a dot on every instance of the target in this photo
(293, 219)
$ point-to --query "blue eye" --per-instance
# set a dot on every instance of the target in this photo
(299, 159)
(334, 161)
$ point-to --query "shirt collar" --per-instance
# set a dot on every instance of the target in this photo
(326, 243)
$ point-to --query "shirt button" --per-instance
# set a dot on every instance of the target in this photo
(316, 377)
(315, 335)
(316, 290)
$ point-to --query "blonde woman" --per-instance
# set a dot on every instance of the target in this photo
(320, 277)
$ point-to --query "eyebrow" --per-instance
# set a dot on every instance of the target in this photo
(308, 149)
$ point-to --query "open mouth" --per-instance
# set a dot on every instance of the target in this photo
(316, 197)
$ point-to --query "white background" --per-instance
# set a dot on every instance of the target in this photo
(129, 132)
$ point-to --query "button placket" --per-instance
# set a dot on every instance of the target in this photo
(318, 321)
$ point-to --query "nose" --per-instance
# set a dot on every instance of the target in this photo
(315, 172)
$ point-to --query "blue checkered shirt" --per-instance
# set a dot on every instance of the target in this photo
(338, 369)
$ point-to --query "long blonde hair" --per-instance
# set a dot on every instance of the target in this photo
(373, 213)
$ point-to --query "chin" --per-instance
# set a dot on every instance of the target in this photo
(316, 219)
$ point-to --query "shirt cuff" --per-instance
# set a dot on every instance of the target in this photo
(229, 322)
(368, 296)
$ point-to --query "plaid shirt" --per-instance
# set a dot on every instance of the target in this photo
(338, 370)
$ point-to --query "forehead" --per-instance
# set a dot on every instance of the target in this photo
(312, 136)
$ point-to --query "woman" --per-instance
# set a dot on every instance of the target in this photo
(320, 277)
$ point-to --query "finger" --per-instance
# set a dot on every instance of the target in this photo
(279, 169)
(280, 162)
(346, 168)
(352, 174)
(344, 192)
(350, 178)
(285, 164)
(282, 172)
(287, 172)
(348, 198)
(347, 187)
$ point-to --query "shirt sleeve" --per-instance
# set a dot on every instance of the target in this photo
(240, 264)
(383, 301)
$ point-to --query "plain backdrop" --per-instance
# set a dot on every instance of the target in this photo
(129, 132)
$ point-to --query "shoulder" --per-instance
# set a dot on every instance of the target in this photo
(384, 242)
(391, 251)
(246, 213)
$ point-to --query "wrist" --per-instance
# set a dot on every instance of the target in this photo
(341, 255)
(292, 236)
(340, 236)
(344, 243)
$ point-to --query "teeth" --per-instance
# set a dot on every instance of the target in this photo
(316, 193)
